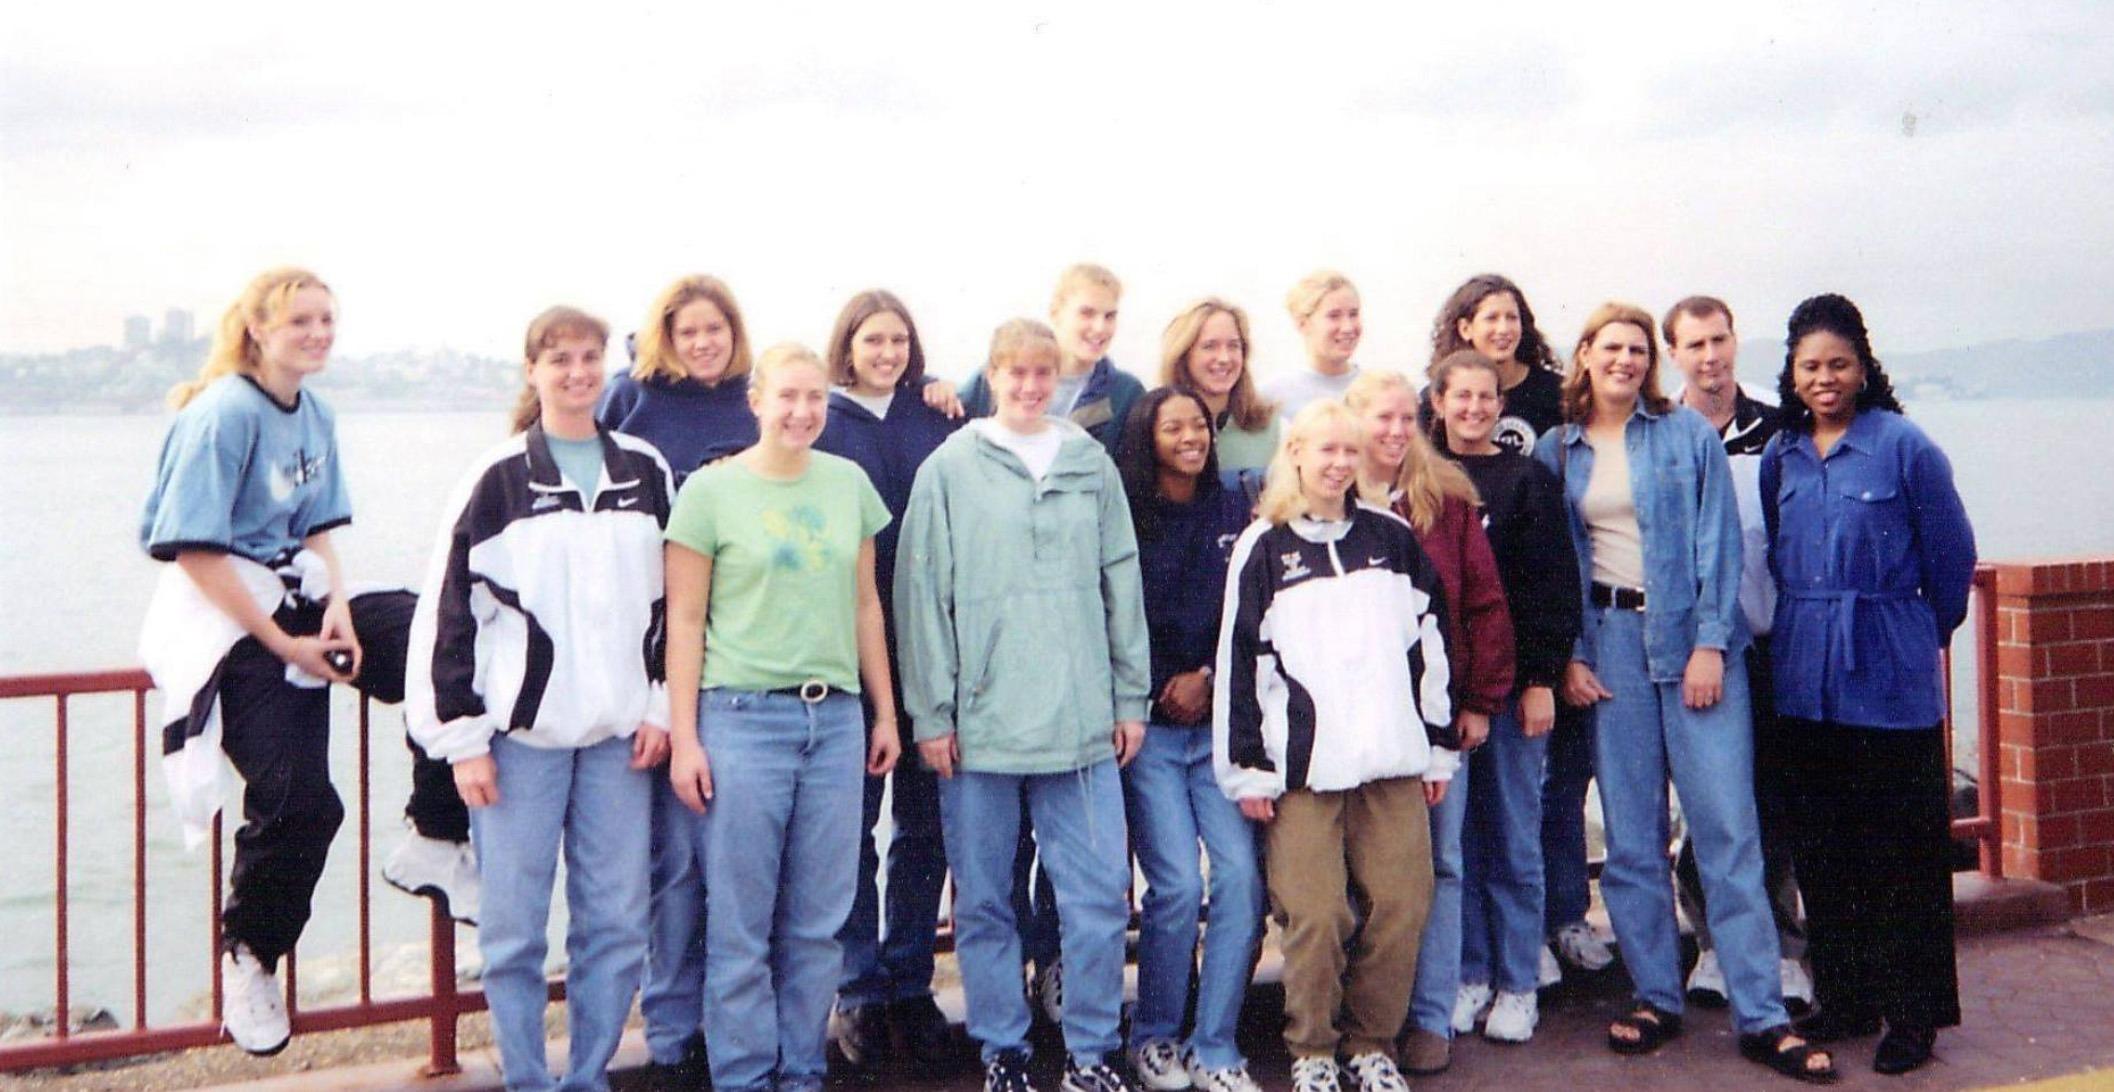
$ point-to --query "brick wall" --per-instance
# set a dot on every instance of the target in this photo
(2055, 701)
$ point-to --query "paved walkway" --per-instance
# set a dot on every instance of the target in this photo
(2039, 1006)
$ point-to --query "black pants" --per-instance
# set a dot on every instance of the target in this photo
(278, 737)
(1873, 849)
(1779, 877)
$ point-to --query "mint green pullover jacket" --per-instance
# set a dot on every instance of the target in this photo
(1020, 617)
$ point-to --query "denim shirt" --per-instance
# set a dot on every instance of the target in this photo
(1873, 557)
(1689, 519)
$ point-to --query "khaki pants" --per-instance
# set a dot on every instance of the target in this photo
(1378, 837)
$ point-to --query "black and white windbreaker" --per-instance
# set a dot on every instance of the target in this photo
(1332, 667)
(542, 609)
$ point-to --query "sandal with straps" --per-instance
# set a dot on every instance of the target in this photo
(1654, 1027)
(1773, 1049)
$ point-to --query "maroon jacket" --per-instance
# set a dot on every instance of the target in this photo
(1479, 624)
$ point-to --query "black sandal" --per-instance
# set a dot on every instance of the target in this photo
(1655, 1027)
(1771, 1048)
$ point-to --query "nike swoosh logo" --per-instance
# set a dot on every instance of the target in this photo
(627, 502)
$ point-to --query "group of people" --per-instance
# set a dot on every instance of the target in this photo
(1346, 648)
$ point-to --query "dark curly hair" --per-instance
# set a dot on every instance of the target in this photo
(1533, 349)
(1138, 464)
(1832, 314)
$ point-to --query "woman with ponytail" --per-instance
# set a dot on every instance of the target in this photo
(254, 621)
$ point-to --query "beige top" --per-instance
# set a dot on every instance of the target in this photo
(1610, 514)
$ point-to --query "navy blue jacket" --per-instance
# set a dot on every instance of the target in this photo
(1184, 571)
(890, 450)
(692, 424)
(1103, 403)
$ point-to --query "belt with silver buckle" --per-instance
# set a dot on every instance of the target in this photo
(1607, 595)
(811, 691)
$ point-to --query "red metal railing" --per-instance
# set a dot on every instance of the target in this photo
(440, 1006)
(444, 1003)
(1989, 781)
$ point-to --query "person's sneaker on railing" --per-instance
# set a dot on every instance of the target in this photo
(435, 868)
(253, 1006)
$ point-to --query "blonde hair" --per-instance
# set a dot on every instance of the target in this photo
(1014, 336)
(781, 356)
(1425, 479)
(1306, 296)
(544, 331)
(656, 347)
(234, 351)
(1245, 409)
(1282, 498)
(1578, 385)
(1082, 275)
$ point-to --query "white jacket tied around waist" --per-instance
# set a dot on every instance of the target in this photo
(541, 613)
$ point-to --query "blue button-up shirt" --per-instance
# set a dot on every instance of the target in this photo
(1873, 557)
(1689, 520)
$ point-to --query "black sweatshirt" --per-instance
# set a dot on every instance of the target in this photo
(1523, 516)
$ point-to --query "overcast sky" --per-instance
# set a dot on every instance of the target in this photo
(452, 171)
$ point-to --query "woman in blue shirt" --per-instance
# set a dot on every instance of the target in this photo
(1657, 534)
(1873, 557)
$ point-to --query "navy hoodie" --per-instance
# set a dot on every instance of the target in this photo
(692, 424)
(1183, 567)
(890, 450)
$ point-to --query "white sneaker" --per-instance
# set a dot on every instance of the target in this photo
(1315, 1074)
(1513, 1017)
(1049, 991)
(1159, 1065)
(1551, 972)
(253, 1007)
(1582, 948)
(1706, 982)
(432, 867)
(1797, 985)
(1376, 1072)
(1469, 1006)
(1229, 1079)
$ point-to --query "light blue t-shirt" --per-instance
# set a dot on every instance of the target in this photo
(580, 461)
(241, 473)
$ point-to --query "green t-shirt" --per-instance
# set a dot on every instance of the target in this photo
(579, 460)
(785, 586)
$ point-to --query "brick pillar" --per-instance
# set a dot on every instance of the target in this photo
(2055, 678)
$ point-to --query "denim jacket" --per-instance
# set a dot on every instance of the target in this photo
(1689, 519)
(1873, 557)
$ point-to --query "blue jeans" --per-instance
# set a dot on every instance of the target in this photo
(1644, 735)
(1174, 802)
(673, 1000)
(1078, 820)
(1566, 887)
(593, 802)
(1439, 953)
(778, 844)
(888, 938)
(1501, 881)
(1034, 902)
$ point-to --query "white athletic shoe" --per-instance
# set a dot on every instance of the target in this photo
(1797, 986)
(1375, 1072)
(1469, 1006)
(1582, 948)
(1513, 1017)
(1158, 1063)
(432, 867)
(1316, 1074)
(1229, 1079)
(1551, 972)
(1706, 981)
(253, 1007)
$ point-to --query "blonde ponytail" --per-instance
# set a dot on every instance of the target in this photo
(234, 351)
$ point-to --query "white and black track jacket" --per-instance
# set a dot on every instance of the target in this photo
(1332, 667)
(542, 610)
